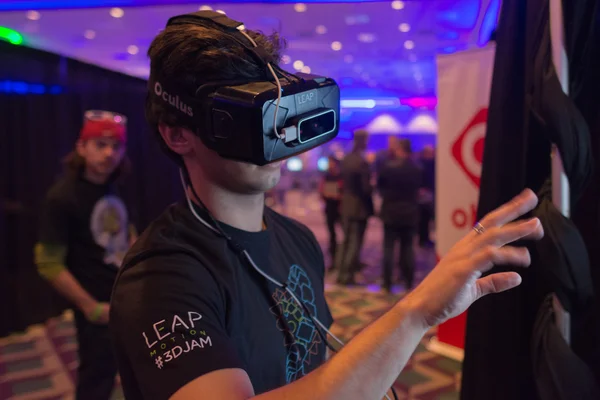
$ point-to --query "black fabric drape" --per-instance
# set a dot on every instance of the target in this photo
(38, 128)
(555, 364)
(582, 26)
(524, 118)
(497, 357)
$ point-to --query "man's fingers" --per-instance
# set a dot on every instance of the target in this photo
(519, 205)
(537, 234)
(489, 256)
(511, 232)
(497, 283)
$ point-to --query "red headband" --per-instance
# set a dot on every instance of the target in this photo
(93, 129)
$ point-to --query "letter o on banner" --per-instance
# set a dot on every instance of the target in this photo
(459, 218)
(158, 88)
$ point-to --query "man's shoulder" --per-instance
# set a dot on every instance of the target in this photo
(61, 190)
(169, 233)
(171, 249)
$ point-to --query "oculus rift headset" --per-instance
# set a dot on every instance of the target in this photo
(258, 122)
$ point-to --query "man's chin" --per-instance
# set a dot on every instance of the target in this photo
(105, 171)
(274, 165)
(267, 183)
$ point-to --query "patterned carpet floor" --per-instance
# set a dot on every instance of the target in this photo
(42, 362)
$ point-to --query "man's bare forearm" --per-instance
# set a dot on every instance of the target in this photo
(367, 366)
(66, 284)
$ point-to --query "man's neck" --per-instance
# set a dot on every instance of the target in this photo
(242, 211)
(98, 179)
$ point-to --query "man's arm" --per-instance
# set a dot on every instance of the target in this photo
(369, 364)
(50, 254)
(65, 283)
(364, 369)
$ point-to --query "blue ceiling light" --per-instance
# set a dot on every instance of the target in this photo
(24, 5)
(449, 49)
(357, 103)
(20, 87)
(489, 22)
(460, 15)
(366, 93)
(376, 102)
(452, 49)
(448, 35)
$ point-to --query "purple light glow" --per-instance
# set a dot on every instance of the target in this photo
(420, 102)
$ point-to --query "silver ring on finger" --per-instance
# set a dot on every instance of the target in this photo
(478, 228)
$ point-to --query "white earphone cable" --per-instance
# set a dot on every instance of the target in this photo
(277, 82)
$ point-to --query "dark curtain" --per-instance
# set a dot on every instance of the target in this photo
(497, 352)
(498, 363)
(42, 100)
(582, 35)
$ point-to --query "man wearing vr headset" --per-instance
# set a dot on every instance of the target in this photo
(222, 298)
(84, 235)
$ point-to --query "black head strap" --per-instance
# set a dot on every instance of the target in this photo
(215, 20)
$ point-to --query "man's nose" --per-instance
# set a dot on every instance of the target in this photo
(109, 151)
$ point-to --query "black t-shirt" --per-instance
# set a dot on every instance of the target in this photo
(91, 223)
(185, 304)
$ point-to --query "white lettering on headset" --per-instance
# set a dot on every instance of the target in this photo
(305, 97)
(172, 100)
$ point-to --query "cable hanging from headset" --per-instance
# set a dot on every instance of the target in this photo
(277, 82)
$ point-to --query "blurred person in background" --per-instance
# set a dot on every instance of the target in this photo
(384, 155)
(84, 234)
(399, 182)
(330, 189)
(356, 208)
(427, 195)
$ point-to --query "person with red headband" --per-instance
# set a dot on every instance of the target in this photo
(84, 234)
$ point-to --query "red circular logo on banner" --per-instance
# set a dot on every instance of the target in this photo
(467, 150)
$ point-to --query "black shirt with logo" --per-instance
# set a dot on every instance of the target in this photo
(186, 303)
(91, 222)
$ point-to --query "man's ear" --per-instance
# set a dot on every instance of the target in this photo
(178, 139)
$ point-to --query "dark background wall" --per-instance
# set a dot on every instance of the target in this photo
(42, 100)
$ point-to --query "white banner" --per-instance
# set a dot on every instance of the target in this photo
(464, 81)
